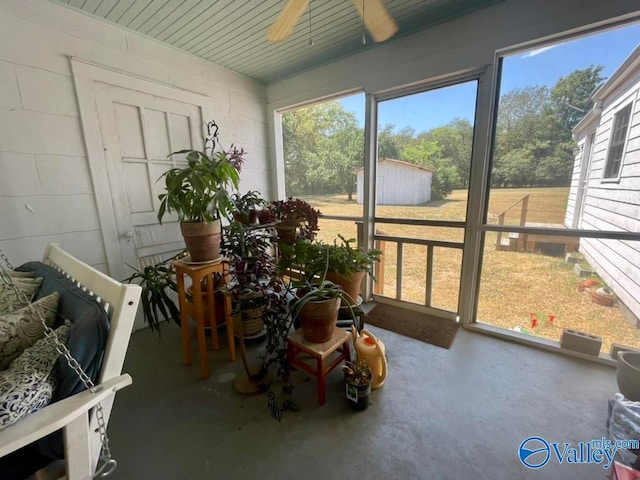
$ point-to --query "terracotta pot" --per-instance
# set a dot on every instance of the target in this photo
(319, 319)
(265, 216)
(350, 285)
(602, 296)
(287, 231)
(202, 240)
(241, 217)
(628, 376)
(246, 219)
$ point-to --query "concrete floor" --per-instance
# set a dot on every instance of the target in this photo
(442, 414)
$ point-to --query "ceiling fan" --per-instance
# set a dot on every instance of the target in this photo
(374, 14)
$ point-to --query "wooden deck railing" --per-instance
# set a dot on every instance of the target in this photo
(522, 239)
(378, 267)
(380, 241)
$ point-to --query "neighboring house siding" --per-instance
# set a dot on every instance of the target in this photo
(398, 184)
(46, 192)
(579, 158)
(612, 204)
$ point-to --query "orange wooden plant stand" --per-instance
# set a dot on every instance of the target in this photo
(196, 310)
(297, 347)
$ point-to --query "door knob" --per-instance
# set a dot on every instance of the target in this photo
(128, 234)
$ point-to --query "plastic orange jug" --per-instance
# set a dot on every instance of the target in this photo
(372, 350)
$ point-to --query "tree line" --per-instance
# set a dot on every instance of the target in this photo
(324, 145)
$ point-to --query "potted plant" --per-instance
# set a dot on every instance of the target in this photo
(357, 378)
(260, 301)
(198, 193)
(294, 213)
(317, 303)
(257, 291)
(347, 265)
(247, 207)
(155, 300)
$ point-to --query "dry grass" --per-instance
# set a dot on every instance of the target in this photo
(513, 286)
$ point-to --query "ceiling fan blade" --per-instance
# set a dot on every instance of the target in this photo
(376, 18)
(286, 21)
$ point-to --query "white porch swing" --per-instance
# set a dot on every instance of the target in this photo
(85, 440)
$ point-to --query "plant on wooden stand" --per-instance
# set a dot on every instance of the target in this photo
(317, 300)
(247, 206)
(198, 193)
(257, 293)
(293, 214)
(347, 265)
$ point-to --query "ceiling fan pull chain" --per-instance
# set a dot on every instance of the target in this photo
(364, 35)
(309, 12)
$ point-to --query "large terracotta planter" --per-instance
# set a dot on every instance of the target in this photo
(319, 319)
(350, 285)
(202, 240)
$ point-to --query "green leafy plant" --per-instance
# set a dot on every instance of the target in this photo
(297, 210)
(156, 303)
(245, 241)
(357, 372)
(344, 259)
(314, 289)
(246, 206)
(303, 260)
(198, 192)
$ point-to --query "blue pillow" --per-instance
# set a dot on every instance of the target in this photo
(89, 327)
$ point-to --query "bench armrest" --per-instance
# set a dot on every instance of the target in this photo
(57, 415)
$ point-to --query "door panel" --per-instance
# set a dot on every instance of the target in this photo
(139, 131)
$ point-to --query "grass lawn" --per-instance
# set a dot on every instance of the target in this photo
(514, 285)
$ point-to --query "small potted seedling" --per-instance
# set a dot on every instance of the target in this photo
(357, 378)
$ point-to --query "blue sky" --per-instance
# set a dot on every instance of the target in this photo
(543, 66)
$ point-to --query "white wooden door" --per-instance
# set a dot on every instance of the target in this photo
(139, 131)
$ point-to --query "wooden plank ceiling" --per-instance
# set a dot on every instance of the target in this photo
(232, 33)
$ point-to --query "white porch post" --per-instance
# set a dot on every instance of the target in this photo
(370, 166)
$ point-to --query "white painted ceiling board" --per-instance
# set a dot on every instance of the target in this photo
(232, 33)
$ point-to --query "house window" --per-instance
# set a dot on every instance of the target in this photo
(618, 137)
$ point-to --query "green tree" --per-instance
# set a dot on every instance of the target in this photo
(533, 145)
(455, 141)
(346, 156)
(571, 95)
(388, 145)
(428, 154)
(314, 143)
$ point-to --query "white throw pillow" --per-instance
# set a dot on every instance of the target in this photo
(23, 328)
(28, 384)
(10, 300)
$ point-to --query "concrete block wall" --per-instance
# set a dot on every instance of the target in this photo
(46, 191)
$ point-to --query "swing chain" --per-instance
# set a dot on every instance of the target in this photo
(5, 260)
(109, 464)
